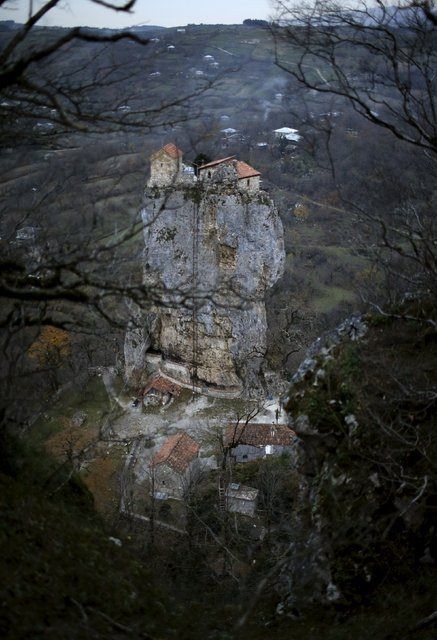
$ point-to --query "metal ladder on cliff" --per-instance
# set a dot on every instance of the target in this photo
(221, 491)
(195, 301)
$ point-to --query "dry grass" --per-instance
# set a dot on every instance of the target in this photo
(101, 477)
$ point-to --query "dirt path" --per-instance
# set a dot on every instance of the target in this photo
(108, 375)
(158, 523)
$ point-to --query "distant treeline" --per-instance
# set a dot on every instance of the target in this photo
(249, 22)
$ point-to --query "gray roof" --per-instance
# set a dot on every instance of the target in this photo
(241, 491)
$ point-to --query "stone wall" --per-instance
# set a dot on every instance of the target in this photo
(250, 184)
(164, 170)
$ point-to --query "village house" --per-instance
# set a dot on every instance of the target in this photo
(174, 466)
(249, 179)
(229, 132)
(159, 391)
(253, 441)
(241, 499)
(287, 133)
(26, 234)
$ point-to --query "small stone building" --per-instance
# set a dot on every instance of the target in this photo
(159, 391)
(253, 441)
(249, 179)
(241, 499)
(167, 169)
(174, 466)
(165, 166)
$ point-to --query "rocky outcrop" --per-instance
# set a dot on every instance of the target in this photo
(211, 250)
(307, 578)
(136, 345)
(360, 404)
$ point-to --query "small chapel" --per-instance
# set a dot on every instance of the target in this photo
(167, 168)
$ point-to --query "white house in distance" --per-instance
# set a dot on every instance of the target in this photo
(26, 234)
(229, 132)
(288, 134)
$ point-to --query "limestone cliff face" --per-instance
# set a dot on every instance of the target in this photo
(355, 521)
(218, 249)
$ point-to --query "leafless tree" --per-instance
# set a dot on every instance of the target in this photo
(54, 78)
(390, 78)
(72, 83)
(379, 60)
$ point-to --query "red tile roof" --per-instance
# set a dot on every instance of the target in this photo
(259, 435)
(177, 452)
(172, 150)
(213, 163)
(244, 170)
(161, 384)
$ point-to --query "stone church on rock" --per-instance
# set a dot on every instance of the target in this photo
(213, 246)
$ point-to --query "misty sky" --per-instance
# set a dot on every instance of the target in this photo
(167, 13)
